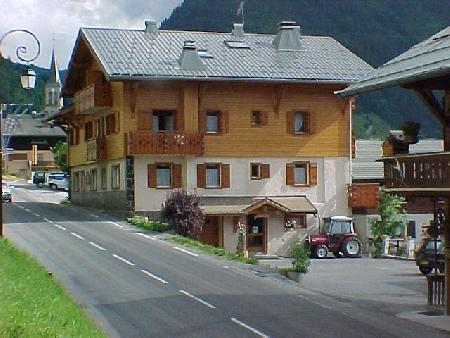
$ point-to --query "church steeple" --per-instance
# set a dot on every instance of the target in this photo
(53, 101)
(54, 70)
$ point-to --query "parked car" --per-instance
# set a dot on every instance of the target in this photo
(426, 257)
(6, 193)
(58, 181)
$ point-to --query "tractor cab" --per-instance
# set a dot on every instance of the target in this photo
(337, 235)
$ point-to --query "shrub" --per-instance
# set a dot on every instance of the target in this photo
(145, 223)
(300, 258)
(183, 211)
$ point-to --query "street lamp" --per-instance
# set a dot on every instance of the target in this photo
(28, 81)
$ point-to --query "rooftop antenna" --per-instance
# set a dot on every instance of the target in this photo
(240, 10)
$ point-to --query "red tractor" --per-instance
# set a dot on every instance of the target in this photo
(338, 236)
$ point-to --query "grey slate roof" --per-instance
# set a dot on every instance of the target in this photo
(137, 54)
(26, 125)
(429, 58)
(364, 166)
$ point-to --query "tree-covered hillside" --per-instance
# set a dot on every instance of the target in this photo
(376, 30)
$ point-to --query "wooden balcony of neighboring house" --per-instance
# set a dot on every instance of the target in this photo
(426, 172)
(363, 195)
(92, 99)
(164, 142)
(96, 149)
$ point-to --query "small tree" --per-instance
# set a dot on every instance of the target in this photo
(392, 219)
(60, 154)
(182, 210)
(300, 258)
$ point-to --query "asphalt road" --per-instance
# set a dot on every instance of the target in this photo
(136, 285)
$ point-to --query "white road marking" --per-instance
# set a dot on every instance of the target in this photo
(123, 260)
(116, 224)
(197, 299)
(154, 277)
(59, 226)
(248, 327)
(37, 215)
(76, 235)
(47, 220)
(317, 303)
(27, 210)
(97, 246)
(185, 251)
(146, 236)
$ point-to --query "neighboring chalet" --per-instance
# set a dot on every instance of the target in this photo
(368, 176)
(424, 179)
(250, 121)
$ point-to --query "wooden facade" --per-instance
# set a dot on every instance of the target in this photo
(363, 195)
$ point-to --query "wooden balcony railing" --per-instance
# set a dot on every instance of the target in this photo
(92, 99)
(96, 149)
(429, 170)
(164, 142)
(363, 195)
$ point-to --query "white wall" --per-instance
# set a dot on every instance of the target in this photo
(329, 195)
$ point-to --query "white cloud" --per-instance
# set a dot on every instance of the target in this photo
(61, 20)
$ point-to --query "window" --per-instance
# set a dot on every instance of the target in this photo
(103, 178)
(255, 171)
(299, 123)
(259, 118)
(296, 220)
(212, 122)
(88, 131)
(82, 181)
(163, 176)
(76, 182)
(93, 179)
(212, 175)
(74, 136)
(115, 177)
(163, 120)
(110, 122)
(300, 174)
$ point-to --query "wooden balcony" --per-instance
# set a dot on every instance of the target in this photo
(96, 149)
(164, 142)
(363, 195)
(92, 99)
(428, 171)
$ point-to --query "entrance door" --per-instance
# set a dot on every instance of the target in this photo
(256, 234)
(210, 231)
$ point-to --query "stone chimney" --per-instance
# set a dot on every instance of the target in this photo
(151, 26)
(288, 37)
(189, 58)
(238, 30)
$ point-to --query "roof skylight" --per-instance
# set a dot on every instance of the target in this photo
(237, 44)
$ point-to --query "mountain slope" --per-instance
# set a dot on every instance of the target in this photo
(376, 30)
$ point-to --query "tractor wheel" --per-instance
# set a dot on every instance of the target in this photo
(321, 251)
(351, 247)
(425, 269)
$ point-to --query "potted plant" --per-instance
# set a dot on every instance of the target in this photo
(300, 263)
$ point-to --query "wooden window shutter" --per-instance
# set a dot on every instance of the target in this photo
(202, 121)
(265, 118)
(313, 173)
(290, 172)
(201, 175)
(225, 175)
(224, 122)
(290, 122)
(151, 175)
(265, 170)
(145, 120)
(176, 181)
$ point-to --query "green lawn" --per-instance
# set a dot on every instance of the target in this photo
(33, 304)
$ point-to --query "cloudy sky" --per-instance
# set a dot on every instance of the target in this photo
(59, 20)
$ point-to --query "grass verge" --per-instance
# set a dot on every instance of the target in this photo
(212, 249)
(144, 223)
(65, 202)
(33, 304)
